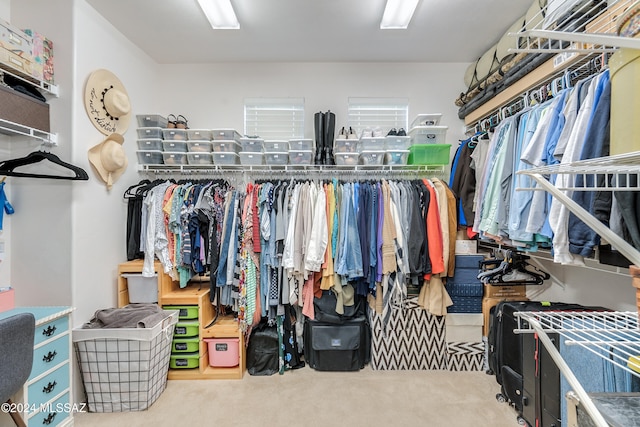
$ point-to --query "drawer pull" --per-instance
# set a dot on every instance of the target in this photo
(50, 418)
(49, 357)
(49, 331)
(49, 388)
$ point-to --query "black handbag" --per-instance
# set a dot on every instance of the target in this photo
(325, 308)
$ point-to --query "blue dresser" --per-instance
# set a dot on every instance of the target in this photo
(47, 394)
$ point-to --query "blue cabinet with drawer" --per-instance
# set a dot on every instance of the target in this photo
(46, 395)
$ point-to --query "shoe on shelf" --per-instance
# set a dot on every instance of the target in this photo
(393, 132)
(402, 132)
(352, 134)
(342, 134)
(181, 123)
(377, 132)
(171, 121)
(366, 133)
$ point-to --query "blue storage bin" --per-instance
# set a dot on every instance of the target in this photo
(462, 304)
(465, 289)
(468, 261)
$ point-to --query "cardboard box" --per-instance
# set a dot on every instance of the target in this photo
(42, 54)
(14, 63)
(487, 303)
(466, 247)
(23, 109)
(7, 299)
(15, 40)
(463, 327)
(501, 291)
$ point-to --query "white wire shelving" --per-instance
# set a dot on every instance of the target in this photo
(613, 336)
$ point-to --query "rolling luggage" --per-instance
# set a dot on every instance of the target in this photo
(529, 378)
(342, 346)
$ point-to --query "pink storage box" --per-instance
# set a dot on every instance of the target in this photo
(7, 300)
(223, 352)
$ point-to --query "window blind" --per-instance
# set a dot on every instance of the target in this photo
(274, 118)
(383, 113)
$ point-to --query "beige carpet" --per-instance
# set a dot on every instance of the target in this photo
(310, 398)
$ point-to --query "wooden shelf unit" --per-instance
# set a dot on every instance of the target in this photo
(195, 293)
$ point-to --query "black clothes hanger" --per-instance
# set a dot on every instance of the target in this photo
(513, 270)
(7, 167)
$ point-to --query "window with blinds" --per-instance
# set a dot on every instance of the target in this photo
(274, 118)
(383, 113)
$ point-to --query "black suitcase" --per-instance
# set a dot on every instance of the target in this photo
(513, 359)
(337, 347)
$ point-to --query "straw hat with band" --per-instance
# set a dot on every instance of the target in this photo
(109, 159)
(107, 102)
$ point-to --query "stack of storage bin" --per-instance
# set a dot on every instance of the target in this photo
(301, 151)
(150, 138)
(226, 146)
(185, 347)
(251, 151)
(372, 151)
(464, 288)
(276, 152)
(428, 139)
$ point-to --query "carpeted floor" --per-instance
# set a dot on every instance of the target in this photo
(310, 398)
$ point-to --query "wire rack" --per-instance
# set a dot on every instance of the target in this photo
(612, 336)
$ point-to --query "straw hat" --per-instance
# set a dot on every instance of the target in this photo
(109, 159)
(107, 102)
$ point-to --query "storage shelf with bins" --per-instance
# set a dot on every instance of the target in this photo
(196, 293)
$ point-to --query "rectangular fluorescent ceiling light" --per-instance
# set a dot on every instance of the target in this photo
(398, 14)
(220, 14)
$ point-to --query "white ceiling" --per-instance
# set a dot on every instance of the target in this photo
(176, 31)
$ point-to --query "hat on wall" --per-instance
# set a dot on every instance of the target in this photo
(107, 102)
(109, 159)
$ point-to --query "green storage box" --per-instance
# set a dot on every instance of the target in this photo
(429, 154)
(184, 361)
(185, 345)
(186, 312)
(186, 329)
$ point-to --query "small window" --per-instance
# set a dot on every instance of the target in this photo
(383, 113)
(274, 118)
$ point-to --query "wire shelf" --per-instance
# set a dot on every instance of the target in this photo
(11, 128)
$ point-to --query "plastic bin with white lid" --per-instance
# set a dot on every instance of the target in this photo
(253, 145)
(301, 144)
(142, 289)
(199, 134)
(372, 158)
(428, 134)
(151, 121)
(150, 157)
(199, 158)
(396, 157)
(225, 146)
(429, 119)
(228, 134)
(300, 157)
(150, 133)
(276, 158)
(346, 159)
(174, 158)
(275, 146)
(372, 144)
(393, 142)
(150, 144)
(345, 146)
(175, 134)
(175, 146)
(200, 146)
(225, 158)
(251, 158)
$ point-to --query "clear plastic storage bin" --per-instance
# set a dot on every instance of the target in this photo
(199, 134)
(345, 146)
(149, 133)
(372, 158)
(396, 157)
(199, 158)
(428, 134)
(200, 146)
(175, 134)
(276, 158)
(175, 146)
(228, 134)
(251, 158)
(150, 144)
(372, 144)
(225, 146)
(225, 158)
(253, 145)
(300, 157)
(151, 121)
(397, 143)
(174, 158)
(276, 146)
(150, 157)
(141, 289)
(301, 145)
(430, 119)
(346, 159)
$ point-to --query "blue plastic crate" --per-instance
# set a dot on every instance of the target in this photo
(465, 304)
(465, 289)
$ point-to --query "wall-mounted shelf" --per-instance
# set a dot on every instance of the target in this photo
(11, 128)
(40, 84)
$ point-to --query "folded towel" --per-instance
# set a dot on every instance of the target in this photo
(129, 316)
